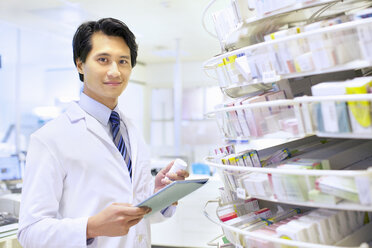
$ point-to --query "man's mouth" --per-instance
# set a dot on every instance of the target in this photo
(113, 83)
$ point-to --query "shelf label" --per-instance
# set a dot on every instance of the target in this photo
(240, 193)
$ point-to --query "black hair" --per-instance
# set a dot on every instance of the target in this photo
(82, 41)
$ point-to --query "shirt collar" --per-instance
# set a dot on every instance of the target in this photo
(96, 109)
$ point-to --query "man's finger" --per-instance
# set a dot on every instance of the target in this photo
(168, 167)
(183, 173)
(133, 211)
(166, 181)
(134, 222)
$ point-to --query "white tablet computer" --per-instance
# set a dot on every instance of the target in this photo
(171, 193)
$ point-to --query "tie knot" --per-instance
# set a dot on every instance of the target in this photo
(115, 118)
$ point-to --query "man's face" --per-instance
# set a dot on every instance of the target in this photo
(107, 69)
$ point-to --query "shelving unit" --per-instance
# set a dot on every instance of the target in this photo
(351, 48)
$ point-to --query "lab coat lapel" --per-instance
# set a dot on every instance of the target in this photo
(75, 113)
(95, 127)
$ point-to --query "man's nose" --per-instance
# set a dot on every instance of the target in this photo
(113, 70)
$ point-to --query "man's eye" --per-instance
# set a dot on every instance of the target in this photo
(123, 61)
(103, 60)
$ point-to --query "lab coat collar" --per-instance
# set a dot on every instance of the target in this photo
(74, 112)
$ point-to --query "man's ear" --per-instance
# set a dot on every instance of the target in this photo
(79, 66)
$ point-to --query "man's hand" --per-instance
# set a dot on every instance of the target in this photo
(115, 220)
(161, 181)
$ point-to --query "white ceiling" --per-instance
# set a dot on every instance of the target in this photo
(157, 23)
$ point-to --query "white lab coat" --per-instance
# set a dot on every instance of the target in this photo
(74, 171)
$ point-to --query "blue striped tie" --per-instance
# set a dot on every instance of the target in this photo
(119, 141)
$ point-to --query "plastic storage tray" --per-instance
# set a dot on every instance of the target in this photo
(280, 118)
(236, 235)
(340, 116)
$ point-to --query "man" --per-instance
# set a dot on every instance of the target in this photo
(87, 168)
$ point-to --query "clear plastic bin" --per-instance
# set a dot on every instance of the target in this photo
(279, 118)
(316, 49)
